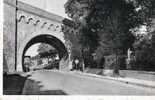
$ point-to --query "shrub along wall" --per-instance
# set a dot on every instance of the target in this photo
(110, 61)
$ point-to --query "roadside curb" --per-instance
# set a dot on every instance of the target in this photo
(143, 83)
(127, 80)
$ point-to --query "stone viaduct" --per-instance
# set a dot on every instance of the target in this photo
(25, 25)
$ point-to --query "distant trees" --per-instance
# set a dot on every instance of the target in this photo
(45, 50)
(145, 9)
(144, 48)
(72, 38)
(144, 53)
(144, 45)
(105, 27)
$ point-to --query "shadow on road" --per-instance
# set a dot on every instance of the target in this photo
(16, 84)
(13, 84)
(33, 87)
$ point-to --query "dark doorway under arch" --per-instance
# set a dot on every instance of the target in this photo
(49, 39)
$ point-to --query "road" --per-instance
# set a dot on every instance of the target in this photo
(63, 83)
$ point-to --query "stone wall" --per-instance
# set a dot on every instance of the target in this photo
(9, 34)
(33, 22)
(22, 25)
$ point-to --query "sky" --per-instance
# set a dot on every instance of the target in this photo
(32, 51)
(53, 6)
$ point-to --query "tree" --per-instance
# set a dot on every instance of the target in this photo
(144, 53)
(45, 50)
(144, 47)
(145, 9)
(114, 20)
(72, 38)
(86, 39)
(108, 23)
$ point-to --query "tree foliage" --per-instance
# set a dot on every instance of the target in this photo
(114, 18)
(104, 26)
(45, 50)
(143, 45)
(72, 38)
(146, 9)
(145, 53)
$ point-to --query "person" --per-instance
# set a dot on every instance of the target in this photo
(76, 64)
(27, 67)
(27, 63)
(102, 62)
(81, 65)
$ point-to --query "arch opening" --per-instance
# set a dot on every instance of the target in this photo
(46, 39)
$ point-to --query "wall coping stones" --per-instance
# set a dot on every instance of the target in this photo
(34, 10)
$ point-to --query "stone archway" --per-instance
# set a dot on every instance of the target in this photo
(25, 23)
(44, 38)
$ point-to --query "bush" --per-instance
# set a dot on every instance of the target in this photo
(144, 60)
(110, 61)
(122, 62)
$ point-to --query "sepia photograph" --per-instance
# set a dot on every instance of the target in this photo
(79, 47)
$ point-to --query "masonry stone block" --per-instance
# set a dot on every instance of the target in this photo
(9, 34)
(31, 22)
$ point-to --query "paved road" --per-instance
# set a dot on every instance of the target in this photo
(54, 82)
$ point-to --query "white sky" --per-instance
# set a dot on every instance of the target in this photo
(32, 51)
(53, 6)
